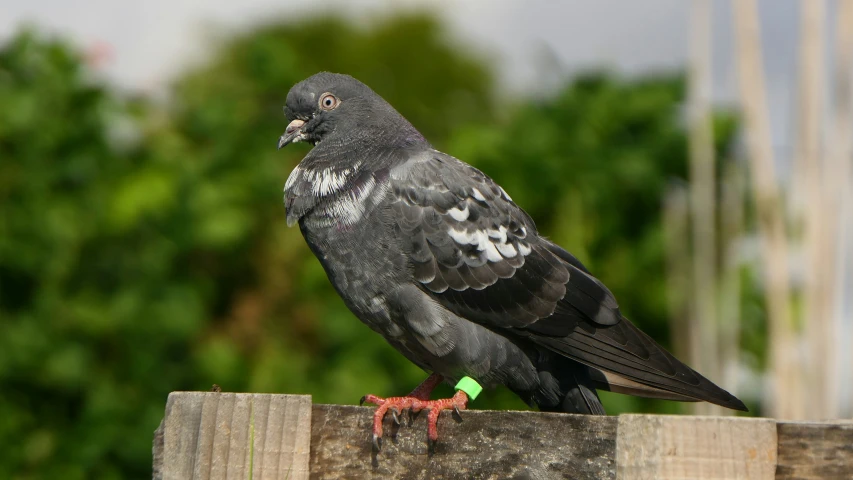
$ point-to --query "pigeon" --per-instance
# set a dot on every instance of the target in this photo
(435, 256)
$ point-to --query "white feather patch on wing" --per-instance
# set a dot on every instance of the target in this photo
(499, 234)
(492, 253)
(507, 250)
(478, 195)
(461, 237)
(506, 195)
(491, 242)
(459, 215)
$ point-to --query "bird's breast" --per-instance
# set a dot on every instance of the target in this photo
(328, 197)
(361, 263)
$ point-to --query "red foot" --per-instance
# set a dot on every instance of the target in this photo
(416, 401)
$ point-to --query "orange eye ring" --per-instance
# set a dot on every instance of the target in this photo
(328, 101)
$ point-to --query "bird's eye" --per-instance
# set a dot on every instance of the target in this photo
(328, 101)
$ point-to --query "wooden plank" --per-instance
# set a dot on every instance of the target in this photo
(681, 447)
(209, 436)
(232, 435)
(815, 450)
(486, 444)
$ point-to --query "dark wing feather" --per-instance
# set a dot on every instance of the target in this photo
(480, 256)
(473, 249)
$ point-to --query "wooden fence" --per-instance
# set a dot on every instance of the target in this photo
(206, 435)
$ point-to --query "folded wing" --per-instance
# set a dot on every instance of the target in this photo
(480, 255)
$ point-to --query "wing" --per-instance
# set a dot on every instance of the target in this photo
(480, 255)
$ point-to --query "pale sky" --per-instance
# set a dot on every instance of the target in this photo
(534, 42)
(152, 39)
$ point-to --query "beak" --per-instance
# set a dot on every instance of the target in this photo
(292, 134)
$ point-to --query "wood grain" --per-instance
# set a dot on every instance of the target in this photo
(209, 435)
(815, 450)
(485, 445)
(682, 447)
(212, 436)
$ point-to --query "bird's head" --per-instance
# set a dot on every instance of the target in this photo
(328, 105)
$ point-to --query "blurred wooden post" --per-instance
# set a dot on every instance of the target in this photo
(207, 435)
(818, 314)
(840, 183)
(679, 290)
(731, 231)
(810, 159)
(785, 397)
(703, 318)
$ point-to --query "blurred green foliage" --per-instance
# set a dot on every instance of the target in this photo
(143, 248)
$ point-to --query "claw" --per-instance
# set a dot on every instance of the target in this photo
(457, 414)
(412, 405)
(431, 446)
(361, 402)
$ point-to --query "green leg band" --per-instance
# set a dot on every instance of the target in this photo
(469, 386)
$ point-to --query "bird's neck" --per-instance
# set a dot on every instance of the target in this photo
(328, 193)
(375, 140)
(340, 172)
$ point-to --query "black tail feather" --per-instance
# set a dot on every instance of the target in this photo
(626, 351)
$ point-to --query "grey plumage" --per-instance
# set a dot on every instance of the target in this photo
(433, 255)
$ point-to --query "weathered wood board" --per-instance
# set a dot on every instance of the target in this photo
(674, 447)
(815, 450)
(486, 444)
(240, 436)
(211, 436)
